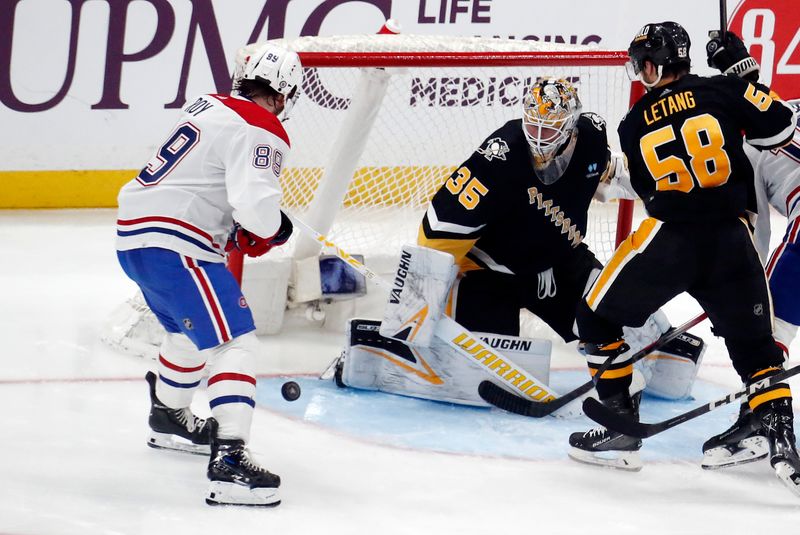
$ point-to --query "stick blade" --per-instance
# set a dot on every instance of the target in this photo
(613, 420)
(502, 399)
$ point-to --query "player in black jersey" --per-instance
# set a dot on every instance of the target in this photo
(683, 143)
(514, 216)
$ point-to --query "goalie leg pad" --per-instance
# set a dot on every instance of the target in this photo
(418, 295)
(439, 373)
(670, 371)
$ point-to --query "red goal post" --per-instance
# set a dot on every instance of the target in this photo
(382, 120)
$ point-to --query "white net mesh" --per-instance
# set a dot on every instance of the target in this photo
(429, 121)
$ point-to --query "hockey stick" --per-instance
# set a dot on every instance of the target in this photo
(467, 344)
(612, 420)
(503, 399)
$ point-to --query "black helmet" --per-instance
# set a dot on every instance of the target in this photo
(663, 43)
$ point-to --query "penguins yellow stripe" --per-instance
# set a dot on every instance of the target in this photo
(769, 396)
(625, 250)
(457, 248)
(759, 373)
(614, 374)
(613, 345)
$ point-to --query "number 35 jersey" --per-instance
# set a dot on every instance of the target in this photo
(494, 213)
(683, 143)
(221, 162)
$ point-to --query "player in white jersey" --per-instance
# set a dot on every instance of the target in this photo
(777, 184)
(212, 186)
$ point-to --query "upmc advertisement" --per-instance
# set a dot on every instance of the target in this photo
(91, 85)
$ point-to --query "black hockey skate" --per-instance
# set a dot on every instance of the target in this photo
(777, 420)
(603, 447)
(176, 429)
(236, 479)
(742, 443)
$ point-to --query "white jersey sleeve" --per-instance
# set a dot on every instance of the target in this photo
(777, 184)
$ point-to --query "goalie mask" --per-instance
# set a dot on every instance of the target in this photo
(277, 67)
(551, 108)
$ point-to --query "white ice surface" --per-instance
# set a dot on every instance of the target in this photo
(74, 459)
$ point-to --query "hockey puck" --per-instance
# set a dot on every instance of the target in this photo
(290, 391)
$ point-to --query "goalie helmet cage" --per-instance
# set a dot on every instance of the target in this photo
(382, 121)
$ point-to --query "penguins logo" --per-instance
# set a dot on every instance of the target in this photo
(495, 148)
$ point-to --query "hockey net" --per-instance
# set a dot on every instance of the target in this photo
(382, 121)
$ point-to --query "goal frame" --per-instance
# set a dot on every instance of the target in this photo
(400, 59)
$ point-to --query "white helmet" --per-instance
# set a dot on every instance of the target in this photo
(551, 108)
(266, 62)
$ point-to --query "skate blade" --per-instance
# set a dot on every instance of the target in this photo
(330, 370)
(618, 460)
(163, 441)
(224, 493)
(752, 449)
(789, 476)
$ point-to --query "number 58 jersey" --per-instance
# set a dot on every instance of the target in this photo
(683, 143)
(221, 163)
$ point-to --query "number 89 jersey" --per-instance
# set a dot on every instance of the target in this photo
(683, 142)
(221, 162)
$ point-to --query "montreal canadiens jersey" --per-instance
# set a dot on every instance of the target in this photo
(777, 181)
(494, 213)
(683, 143)
(221, 163)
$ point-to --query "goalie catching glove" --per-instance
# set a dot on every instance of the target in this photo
(728, 54)
(253, 245)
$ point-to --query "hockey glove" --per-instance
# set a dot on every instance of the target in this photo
(253, 245)
(729, 55)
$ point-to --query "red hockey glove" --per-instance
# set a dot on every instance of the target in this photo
(253, 245)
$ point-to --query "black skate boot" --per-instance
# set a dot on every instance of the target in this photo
(603, 447)
(236, 479)
(176, 429)
(742, 443)
(777, 420)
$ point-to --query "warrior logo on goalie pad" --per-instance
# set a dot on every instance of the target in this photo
(494, 363)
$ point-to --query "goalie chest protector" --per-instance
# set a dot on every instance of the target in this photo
(522, 225)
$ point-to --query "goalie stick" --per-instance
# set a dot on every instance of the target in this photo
(508, 401)
(615, 422)
(467, 344)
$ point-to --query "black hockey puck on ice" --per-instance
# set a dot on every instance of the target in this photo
(290, 391)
